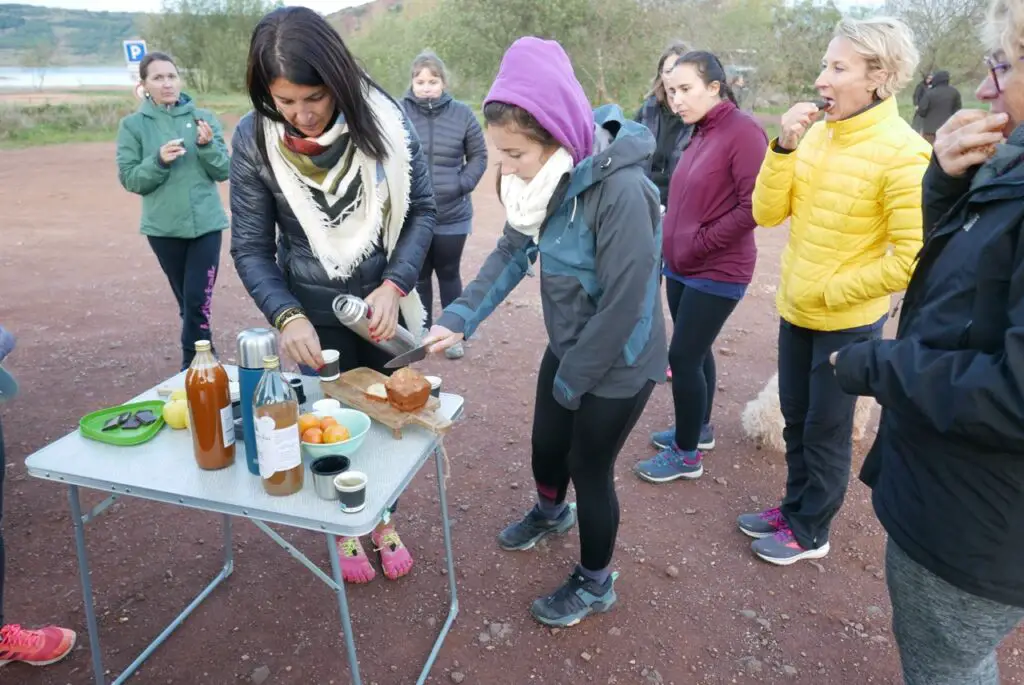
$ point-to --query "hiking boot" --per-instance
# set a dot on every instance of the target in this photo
(524, 534)
(782, 549)
(762, 524)
(666, 438)
(668, 465)
(577, 598)
(35, 647)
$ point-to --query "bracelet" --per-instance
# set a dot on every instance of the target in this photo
(293, 317)
(287, 315)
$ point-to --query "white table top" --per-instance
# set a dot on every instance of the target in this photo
(164, 470)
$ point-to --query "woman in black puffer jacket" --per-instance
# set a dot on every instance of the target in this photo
(328, 160)
(671, 133)
(457, 156)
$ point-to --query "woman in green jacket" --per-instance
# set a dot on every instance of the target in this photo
(173, 154)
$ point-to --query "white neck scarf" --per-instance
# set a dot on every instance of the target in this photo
(526, 203)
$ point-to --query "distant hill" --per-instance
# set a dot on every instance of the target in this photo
(82, 37)
(355, 20)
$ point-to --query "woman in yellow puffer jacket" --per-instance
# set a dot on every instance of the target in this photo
(851, 190)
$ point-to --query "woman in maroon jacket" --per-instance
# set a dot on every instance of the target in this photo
(709, 251)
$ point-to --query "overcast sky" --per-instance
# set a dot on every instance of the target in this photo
(325, 6)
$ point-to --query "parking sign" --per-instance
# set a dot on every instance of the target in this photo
(134, 51)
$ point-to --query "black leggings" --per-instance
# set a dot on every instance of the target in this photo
(581, 446)
(443, 258)
(698, 319)
(191, 266)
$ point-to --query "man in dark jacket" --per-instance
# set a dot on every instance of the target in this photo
(937, 105)
(919, 90)
(947, 468)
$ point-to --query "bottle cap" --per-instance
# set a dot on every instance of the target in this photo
(271, 361)
(253, 345)
(202, 345)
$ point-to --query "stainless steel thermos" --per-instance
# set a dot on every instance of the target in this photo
(253, 345)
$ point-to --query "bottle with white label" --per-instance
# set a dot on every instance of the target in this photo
(275, 412)
(209, 406)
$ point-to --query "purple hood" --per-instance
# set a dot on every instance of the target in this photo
(536, 75)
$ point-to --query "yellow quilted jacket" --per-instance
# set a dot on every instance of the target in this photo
(852, 192)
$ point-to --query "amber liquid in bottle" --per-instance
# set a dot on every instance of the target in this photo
(209, 406)
(275, 413)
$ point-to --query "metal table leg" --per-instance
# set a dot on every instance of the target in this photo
(83, 571)
(453, 608)
(90, 612)
(346, 619)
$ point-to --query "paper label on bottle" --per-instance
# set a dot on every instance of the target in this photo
(277, 449)
(227, 425)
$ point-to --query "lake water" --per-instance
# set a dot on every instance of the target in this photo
(64, 77)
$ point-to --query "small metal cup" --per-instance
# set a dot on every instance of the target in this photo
(324, 470)
(435, 385)
(351, 489)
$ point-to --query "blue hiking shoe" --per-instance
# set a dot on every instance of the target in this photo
(668, 465)
(575, 600)
(666, 438)
(524, 534)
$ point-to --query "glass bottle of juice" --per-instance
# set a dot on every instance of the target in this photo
(275, 414)
(209, 406)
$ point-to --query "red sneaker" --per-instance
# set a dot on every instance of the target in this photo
(35, 647)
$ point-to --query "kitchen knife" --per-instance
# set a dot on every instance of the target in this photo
(410, 357)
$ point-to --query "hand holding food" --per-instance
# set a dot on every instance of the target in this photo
(795, 123)
(968, 139)
(171, 150)
(204, 133)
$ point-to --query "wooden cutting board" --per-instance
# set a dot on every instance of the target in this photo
(350, 389)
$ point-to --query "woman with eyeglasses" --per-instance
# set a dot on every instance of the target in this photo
(947, 469)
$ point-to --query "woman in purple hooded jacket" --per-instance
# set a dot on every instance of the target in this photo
(574, 190)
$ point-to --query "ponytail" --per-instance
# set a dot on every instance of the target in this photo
(710, 69)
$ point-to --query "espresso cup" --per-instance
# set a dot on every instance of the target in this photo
(351, 487)
(324, 470)
(331, 369)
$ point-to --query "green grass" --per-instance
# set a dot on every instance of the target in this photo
(90, 120)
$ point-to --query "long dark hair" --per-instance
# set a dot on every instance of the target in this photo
(299, 45)
(675, 49)
(710, 69)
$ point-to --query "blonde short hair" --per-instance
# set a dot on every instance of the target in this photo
(1004, 28)
(886, 44)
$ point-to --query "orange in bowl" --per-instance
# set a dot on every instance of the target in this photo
(313, 435)
(336, 433)
(327, 422)
(307, 421)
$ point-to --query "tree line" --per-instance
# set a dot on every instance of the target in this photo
(614, 44)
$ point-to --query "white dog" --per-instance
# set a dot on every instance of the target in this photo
(762, 418)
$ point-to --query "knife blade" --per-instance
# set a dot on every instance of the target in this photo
(407, 358)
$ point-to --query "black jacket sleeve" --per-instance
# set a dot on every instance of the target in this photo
(418, 230)
(254, 227)
(972, 394)
(940, 192)
(476, 154)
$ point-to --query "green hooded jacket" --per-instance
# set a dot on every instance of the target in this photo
(180, 200)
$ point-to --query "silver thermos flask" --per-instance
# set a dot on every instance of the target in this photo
(253, 345)
(354, 314)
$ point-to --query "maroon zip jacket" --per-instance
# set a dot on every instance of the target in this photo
(709, 227)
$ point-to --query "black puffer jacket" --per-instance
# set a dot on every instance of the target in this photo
(938, 103)
(295, 278)
(671, 136)
(455, 150)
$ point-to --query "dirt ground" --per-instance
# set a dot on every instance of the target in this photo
(96, 324)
